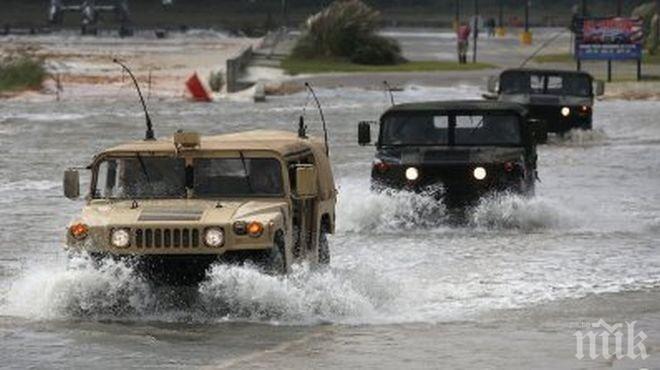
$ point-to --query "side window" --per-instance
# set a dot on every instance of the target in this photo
(555, 83)
(106, 179)
(536, 83)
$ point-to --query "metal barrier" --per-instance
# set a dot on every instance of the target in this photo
(235, 67)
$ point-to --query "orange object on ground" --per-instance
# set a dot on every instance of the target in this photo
(197, 90)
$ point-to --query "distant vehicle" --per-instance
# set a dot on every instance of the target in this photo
(456, 150)
(178, 205)
(90, 12)
(561, 100)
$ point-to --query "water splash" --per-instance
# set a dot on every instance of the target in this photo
(580, 138)
(510, 211)
(360, 209)
(304, 296)
(80, 289)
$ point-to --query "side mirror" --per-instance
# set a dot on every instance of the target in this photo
(364, 133)
(599, 88)
(71, 184)
(493, 82)
(306, 181)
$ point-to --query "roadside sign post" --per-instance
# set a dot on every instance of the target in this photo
(609, 39)
(475, 33)
(526, 36)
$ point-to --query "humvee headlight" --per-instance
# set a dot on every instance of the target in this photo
(255, 229)
(214, 237)
(412, 174)
(565, 111)
(120, 238)
(479, 173)
(79, 231)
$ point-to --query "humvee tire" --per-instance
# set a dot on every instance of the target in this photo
(324, 248)
(272, 261)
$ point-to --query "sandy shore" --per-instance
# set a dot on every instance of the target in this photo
(84, 65)
(84, 68)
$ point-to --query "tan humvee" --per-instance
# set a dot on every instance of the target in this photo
(266, 196)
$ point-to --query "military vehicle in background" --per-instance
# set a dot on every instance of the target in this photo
(456, 151)
(89, 11)
(560, 100)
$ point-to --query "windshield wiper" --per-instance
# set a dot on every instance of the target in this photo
(144, 168)
(247, 174)
(478, 126)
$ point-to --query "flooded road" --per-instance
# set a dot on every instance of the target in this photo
(405, 288)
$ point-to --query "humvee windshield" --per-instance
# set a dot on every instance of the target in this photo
(539, 83)
(165, 177)
(436, 130)
(226, 177)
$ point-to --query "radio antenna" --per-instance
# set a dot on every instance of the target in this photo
(318, 105)
(388, 89)
(149, 134)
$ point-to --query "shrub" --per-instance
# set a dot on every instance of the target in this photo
(347, 30)
(648, 13)
(216, 81)
(22, 72)
(377, 50)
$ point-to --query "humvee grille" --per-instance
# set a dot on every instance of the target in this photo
(166, 238)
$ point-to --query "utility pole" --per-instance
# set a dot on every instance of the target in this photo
(457, 14)
(527, 16)
(285, 15)
(475, 33)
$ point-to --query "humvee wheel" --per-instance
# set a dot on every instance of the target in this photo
(324, 249)
(272, 261)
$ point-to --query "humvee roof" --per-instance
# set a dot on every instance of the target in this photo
(458, 106)
(283, 142)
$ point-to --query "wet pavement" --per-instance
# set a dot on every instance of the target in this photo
(509, 289)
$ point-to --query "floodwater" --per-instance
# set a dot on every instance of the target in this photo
(405, 288)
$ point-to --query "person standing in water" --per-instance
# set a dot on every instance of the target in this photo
(462, 40)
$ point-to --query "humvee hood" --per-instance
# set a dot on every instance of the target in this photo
(179, 211)
(454, 155)
(545, 99)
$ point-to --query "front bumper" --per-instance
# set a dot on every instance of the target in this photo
(174, 240)
(556, 122)
(185, 269)
(452, 182)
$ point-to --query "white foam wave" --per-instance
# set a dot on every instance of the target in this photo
(29, 185)
(44, 117)
(114, 290)
(78, 290)
(509, 211)
(578, 137)
(360, 209)
(304, 296)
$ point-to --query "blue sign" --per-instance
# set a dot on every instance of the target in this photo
(609, 52)
(608, 38)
